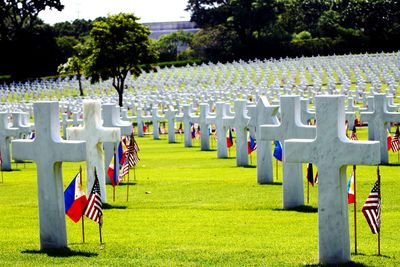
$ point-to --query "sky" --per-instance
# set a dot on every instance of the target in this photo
(146, 10)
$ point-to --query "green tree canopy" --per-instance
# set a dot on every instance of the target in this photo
(119, 45)
(168, 44)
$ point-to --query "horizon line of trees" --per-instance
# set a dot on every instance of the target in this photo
(229, 30)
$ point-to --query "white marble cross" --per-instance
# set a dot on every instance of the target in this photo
(6, 132)
(378, 123)
(187, 119)
(290, 127)
(111, 118)
(218, 120)
(140, 119)
(331, 151)
(156, 118)
(95, 135)
(204, 133)
(239, 122)
(263, 113)
(170, 116)
(49, 150)
(17, 119)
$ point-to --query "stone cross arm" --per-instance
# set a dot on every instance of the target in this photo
(72, 151)
(345, 152)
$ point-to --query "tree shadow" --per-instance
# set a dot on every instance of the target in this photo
(107, 206)
(304, 209)
(62, 252)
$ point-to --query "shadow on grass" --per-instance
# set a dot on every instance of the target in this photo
(125, 184)
(391, 165)
(351, 263)
(64, 252)
(304, 208)
(273, 183)
(107, 206)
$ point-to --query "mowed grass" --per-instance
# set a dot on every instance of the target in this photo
(188, 208)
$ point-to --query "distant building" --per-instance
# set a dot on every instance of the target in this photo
(160, 28)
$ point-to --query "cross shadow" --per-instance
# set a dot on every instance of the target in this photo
(107, 206)
(351, 263)
(125, 184)
(304, 208)
(63, 252)
(391, 164)
(273, 183)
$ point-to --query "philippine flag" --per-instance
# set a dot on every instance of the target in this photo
(350, 190)
(75, 199)
(112, 171)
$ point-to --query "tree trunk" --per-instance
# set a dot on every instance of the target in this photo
(80, 84)
(120, 97)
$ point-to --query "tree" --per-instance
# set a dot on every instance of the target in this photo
(119, 45)
(250, 20)
(76, 63)
(18, 14)
(168, 44)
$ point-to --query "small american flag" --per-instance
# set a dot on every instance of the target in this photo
(372, 208)
(93, 209)
(133, 150)
(396, 140)
(354, 134)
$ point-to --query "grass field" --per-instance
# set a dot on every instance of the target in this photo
(188, 208)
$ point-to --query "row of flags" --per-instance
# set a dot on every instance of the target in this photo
(394, 142)
(128, 157)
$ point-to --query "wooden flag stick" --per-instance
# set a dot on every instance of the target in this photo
(113, 193)
(83, 223)
(355, 210)
(308, 192)
(134, 173)
(101, 238)
(276, 170)
(1, 170)
(127, 188)
(380, 222)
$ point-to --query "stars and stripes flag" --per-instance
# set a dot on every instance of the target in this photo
(372, 208)
(93, 209)
(396, 140)
(132, 153)
(354, 133)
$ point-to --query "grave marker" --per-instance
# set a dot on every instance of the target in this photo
(332, 151)
(49, 150)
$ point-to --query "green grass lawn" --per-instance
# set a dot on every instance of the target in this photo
(188, 208)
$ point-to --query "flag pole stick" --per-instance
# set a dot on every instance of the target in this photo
(380, 222)
(127, 188)
(1, 169)
(134, 173)
(113, 193)
(83, 223)
(355, 209)
(101, 238)
(276, 169)
(308, 192)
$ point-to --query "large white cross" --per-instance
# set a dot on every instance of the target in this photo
(95, 135)
(332, 151)
(263, 113)
(17, 122)
(290, 127)
(49, 150)
(6, 132)
(378, 123)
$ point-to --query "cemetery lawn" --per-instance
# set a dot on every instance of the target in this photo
(188, 208)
